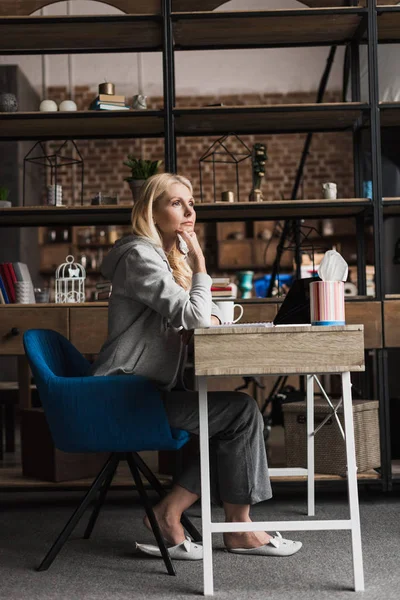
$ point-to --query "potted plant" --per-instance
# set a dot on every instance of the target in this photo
(4, 193)
(140, 171)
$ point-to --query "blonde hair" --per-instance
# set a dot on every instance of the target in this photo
(153, 190)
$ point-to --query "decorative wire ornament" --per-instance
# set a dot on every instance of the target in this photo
(306, 244)
(70, 282)
(220, 152)
(54, 164)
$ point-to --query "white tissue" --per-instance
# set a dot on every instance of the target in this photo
(333, 267)
(183, 247)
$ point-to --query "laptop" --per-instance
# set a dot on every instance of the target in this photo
(295, 309)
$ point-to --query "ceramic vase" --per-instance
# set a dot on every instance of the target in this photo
(136, 185)
(8, 102)
(245, 283)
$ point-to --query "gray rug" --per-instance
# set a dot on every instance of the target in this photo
(106, 566)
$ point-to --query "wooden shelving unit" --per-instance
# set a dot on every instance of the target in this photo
(286, 118)
(220, 211)
(391, 206)
(81, 125)
(75, 34)
(144, 32)
(274, 118)
(324, 23)
(28, 7)
(269, 28)
(12, 479)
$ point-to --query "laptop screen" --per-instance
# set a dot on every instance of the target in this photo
(296, 306)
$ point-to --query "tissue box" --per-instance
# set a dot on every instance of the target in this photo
(330, 450)
(327, 303)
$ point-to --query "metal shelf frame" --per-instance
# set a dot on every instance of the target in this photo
(371, 25)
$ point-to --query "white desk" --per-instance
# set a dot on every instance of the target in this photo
(306, 350)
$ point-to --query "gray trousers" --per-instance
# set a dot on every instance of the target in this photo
(238, 460)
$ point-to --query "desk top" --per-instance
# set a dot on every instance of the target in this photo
(229, 329)
(278, 350)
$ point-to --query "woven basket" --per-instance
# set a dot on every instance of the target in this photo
(330, 450)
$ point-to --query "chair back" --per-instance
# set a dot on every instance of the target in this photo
(51, 355)
(117, 413)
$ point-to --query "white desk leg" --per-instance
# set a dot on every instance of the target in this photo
(205, 487)
(352, 485)
(310, 447)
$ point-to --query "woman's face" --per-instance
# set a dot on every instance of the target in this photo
(175, 212)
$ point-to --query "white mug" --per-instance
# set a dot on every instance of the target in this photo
(330, 190)
(227, 308)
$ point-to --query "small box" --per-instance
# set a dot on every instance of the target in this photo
(42, 460)
(330, 449)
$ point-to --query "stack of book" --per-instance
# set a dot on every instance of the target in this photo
(222, 287)
(11, 274)
(109, 102)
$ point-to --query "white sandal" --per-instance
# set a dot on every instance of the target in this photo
(277, 546)
(187, 550)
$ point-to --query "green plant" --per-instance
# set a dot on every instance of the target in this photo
(4, 192)
(140, 168)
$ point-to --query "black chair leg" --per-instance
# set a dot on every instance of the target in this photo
(66, 532)
(152, 479)
(150, 514)
(101, 498)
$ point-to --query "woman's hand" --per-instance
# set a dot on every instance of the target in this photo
(195, 255)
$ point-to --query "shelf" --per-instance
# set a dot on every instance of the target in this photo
(273, 118)
(87, 124)
(391, 206)
(26, 7)
(81, 125)
(389, 24)
(266, 29)
(36, 216)
(76, 34)
(390, 113)
(11, 478)
(327, 3)
(319, 25)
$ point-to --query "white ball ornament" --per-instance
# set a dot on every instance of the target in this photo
(68, 106)
(48, 106)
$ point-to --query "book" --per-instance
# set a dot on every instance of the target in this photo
(113, 98)
(102, 106)
(4, 291)
(221, 281)
(2, 301)
(96, 105)
(10, 268)
(8, 282)
(113, 103)
(226, 294)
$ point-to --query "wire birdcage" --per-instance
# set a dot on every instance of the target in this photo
(70, 282)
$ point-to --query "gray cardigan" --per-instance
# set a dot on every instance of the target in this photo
(147, 308)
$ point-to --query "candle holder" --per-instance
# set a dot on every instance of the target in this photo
(107, 88)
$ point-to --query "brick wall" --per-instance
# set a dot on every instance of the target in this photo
(330, 157)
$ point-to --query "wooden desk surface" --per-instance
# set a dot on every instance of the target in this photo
(278, 350)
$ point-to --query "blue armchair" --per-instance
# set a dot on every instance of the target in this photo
(118, 414)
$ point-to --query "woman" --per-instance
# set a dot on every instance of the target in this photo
(158, 295)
